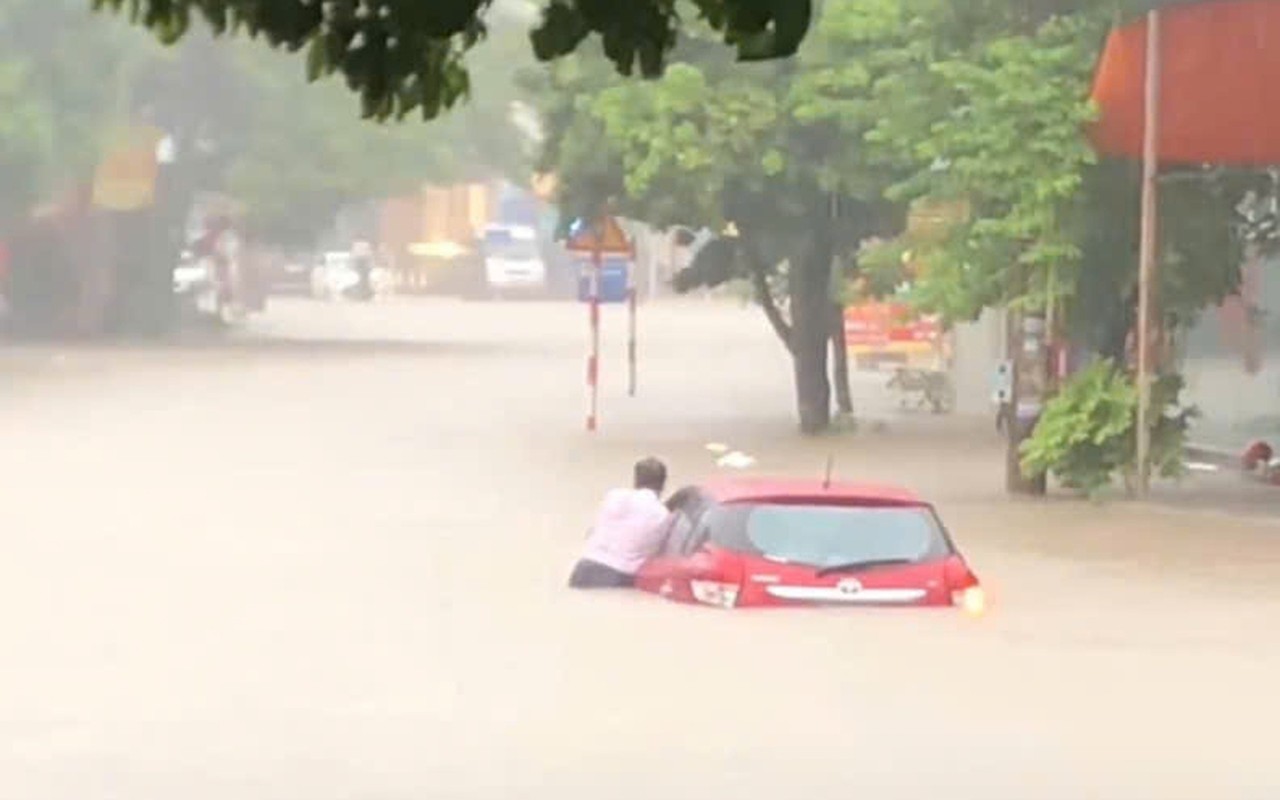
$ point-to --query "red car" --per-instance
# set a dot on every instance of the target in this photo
(749, 542)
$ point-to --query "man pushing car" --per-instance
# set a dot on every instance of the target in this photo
(628, 531)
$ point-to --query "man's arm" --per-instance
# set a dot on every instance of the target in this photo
(660, 523)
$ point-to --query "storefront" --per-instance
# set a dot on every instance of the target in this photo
(1231, 362)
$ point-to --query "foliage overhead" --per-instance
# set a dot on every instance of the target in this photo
(402, 56)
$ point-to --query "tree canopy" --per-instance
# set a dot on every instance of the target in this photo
(985, 116)
(403, 56)
(58, 115)
(812, 161)
(991, 110)
(244, 117)
(774, 150)
(304, 154)
(893, 105)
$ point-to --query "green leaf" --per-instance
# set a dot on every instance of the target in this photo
(317, 60)
(773, 162)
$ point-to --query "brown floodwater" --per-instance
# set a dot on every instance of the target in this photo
(324, 559)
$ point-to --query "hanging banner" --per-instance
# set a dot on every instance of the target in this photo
(126, 178)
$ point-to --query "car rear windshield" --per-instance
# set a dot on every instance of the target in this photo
(828, 536)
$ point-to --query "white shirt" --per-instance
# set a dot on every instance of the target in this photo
(628, 530)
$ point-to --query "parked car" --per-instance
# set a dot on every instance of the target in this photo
(749, 542)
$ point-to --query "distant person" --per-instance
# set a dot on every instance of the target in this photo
(363, 290)
(627, 532)
(362, 263)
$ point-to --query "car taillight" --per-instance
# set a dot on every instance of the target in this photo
(714, 593)
(966, 591)
(973, 599)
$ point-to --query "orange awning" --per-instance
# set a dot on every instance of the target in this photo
(1219, 85)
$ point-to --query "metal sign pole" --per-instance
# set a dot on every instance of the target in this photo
(593, 358)
(651, 256)
(1149, 245)
(631, 325)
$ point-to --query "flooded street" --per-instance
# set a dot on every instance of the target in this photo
(324, 560)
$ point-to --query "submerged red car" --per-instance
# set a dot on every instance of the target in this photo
(749, 542)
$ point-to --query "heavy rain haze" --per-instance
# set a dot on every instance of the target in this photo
(308, 410)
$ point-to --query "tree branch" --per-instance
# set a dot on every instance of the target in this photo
(760, 282)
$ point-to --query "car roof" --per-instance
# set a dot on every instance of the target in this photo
(807, 492)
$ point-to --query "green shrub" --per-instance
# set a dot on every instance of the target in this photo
(1086, 435)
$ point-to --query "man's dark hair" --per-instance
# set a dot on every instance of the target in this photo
(651, 474)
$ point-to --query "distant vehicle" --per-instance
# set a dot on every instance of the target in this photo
(332, 275)
(744, 542)
(513, 262)
(212, 283)
(336, 278)
(890, 336)
(293, 276)
(190, 274)
(195, 286)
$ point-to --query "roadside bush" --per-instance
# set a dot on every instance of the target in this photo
(1086, 435)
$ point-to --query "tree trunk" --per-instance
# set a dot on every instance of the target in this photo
(93, 248)
(810, 287)
(840, 361)
(813, 389)
(144, 303)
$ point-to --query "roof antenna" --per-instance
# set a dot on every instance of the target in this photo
(831, 465)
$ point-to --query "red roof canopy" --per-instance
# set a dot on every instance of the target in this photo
(1219, 85)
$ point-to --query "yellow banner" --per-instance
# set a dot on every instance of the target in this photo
(126, 178)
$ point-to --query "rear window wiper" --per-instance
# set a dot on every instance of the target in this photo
(854, 566)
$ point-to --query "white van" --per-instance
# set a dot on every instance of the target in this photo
(512, 260)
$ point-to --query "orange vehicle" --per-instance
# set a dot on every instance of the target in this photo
(915, 348)
(883, 335)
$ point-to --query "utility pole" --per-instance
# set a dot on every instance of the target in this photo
(1028, 360)
(1149, 244)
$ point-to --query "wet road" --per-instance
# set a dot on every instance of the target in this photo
(324, 561)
